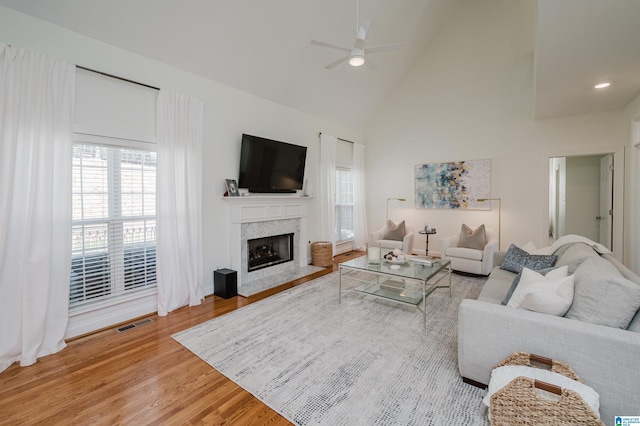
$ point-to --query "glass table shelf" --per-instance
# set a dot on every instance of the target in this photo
(408, 283)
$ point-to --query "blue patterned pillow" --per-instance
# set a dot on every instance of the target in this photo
(517, 258)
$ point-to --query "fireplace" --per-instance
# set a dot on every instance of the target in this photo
(259, 217)
(269, 251)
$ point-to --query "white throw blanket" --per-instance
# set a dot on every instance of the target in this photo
(568, 239)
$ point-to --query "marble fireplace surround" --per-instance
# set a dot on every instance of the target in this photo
(262, 216)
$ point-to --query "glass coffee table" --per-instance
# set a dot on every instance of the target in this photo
(410, 283)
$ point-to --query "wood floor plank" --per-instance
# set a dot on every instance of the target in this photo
(138, 377)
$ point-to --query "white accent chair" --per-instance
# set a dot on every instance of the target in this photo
(472, 261)
(406, 245)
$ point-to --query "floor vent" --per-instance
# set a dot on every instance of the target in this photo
(133, 325)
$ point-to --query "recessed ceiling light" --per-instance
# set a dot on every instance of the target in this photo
(602, 85)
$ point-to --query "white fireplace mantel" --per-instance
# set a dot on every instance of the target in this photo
(263, 209)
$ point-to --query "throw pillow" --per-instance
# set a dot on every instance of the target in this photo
(552, 297)
(516, 281)
(574, 255)
(602, 295)
(531, 278)
(473, 238)
(532, 249)
(393, 231)
(516, 259)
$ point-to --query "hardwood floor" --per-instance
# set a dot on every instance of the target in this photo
(138, 377)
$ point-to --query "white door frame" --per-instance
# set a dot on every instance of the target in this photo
(618, 191)
(634, 222)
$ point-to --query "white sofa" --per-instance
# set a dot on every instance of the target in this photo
(605, 358)
(478, 262)
(406, 245)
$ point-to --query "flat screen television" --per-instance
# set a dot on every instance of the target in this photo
(271, 166)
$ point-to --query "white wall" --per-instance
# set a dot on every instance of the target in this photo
(471, 97)
(227, 114)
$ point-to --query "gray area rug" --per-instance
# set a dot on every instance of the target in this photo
(365, 361)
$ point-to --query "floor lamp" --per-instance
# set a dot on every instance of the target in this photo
(480, 200)
(388, 199)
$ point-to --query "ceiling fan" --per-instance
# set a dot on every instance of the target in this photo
(357, 54)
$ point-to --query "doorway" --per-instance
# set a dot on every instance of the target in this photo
(581, 195)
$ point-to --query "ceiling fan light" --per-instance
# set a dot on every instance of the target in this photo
(356, 61)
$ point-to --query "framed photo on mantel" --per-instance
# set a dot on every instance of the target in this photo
(232, 187)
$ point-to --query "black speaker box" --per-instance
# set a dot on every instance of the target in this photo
(225, 283)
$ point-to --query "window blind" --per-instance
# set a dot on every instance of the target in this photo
(114, 222)
(344, 204)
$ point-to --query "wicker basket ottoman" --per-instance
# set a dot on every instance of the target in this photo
(322, 254)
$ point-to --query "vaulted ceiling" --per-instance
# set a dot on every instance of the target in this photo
(263, 46)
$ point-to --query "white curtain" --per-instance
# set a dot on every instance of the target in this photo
(179, 204)
(327, 185)
(36, 122)
(359, 203)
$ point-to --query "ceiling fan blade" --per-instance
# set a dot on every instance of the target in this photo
(372, 66)
(329, 45)
(361, 36)
(384, 48)
(338, 62)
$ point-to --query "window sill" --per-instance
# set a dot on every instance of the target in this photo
(116, 300)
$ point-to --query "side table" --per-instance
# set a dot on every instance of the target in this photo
(427, 232)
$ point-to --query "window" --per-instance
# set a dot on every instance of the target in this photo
(344, 205)
(114, 222)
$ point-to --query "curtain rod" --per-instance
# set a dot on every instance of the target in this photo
(113, 76)
(116, 77)
(340, 139)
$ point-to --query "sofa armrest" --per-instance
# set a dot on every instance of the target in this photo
(605, 358)
(375, 235)
(407, 243)
(487, 256)
(445, 243)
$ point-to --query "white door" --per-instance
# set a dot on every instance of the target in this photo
(605, 218)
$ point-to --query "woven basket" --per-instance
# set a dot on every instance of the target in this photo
(322, 254)
(518, 404)
(524, 359)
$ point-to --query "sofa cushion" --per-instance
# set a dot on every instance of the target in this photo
(496, 286)
(602, 295)
(473, 238)
(537, 280)
(634, 325)
(574, 255)
(465, 253)
(393, 231)
(516, 259)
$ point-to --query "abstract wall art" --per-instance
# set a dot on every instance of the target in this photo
(453, 185)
